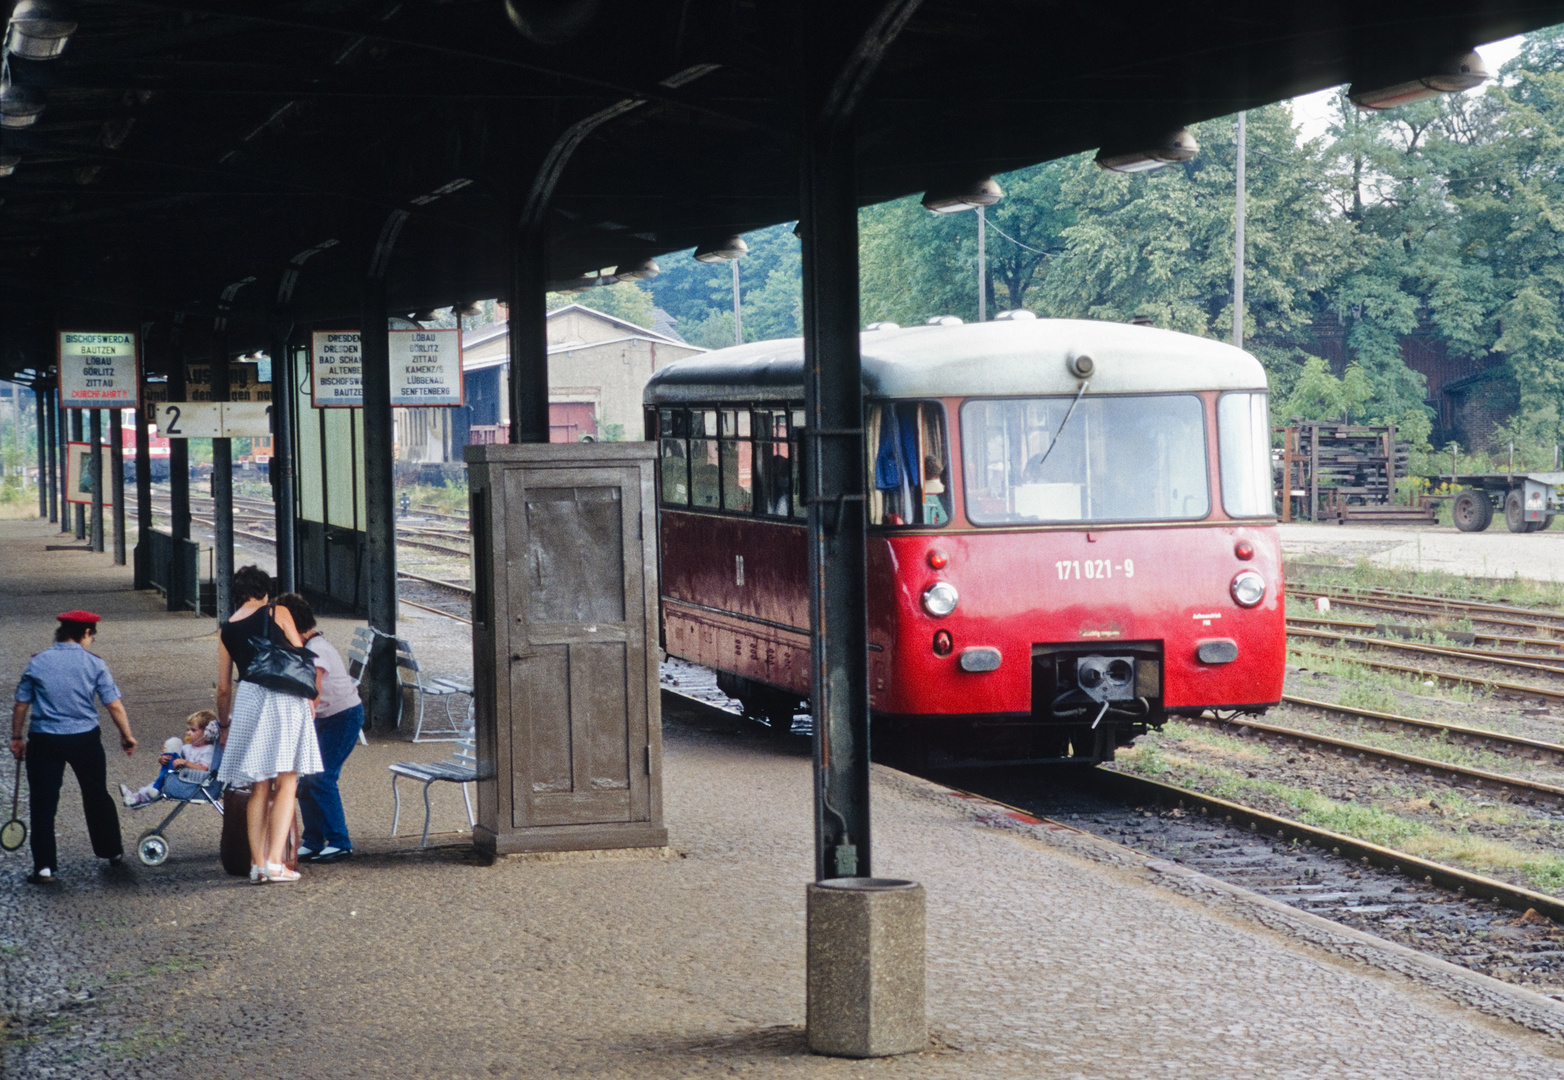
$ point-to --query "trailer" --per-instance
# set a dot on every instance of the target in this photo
(1528, 500)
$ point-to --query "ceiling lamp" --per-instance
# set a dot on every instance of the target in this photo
(985, 192)
(19, 106)
(467, 311)
(1177, 145)
(39, 30)
(638, 271)
(1461, 72)
(8, 163)
(424, 315)
(733, 247)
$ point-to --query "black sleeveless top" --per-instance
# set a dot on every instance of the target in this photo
(236, 636)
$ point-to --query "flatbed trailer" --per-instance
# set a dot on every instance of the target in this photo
(1527, 500)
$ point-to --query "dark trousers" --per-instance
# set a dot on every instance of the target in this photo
(320, 801)
(47, 756)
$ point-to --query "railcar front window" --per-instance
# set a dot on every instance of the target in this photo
(1121, 458)
(1244, 442)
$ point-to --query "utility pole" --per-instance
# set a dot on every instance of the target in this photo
(738, 315)
(982, 216)
(1238, 241)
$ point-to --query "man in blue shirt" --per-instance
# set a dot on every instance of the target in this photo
(62, 687)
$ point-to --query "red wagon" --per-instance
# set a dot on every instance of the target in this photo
(1071, 533)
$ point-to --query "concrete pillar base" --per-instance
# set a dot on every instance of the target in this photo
(866, 967)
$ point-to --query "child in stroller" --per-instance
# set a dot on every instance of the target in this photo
(191, 756)
(188, 774)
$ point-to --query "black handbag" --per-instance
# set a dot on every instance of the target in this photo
(279, 666)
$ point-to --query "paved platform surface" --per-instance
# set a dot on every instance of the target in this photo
(1051, 954)
(1494, 553)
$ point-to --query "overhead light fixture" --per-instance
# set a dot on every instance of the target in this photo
(8, 163)
(637, 271)
(467, 311)
(426, 315)
(1176, 146)
(1463, 71)
(985, 192)
(39, 30)
(19, 106)
(732, 247)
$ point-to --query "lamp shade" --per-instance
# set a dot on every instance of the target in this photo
(985, 192)
(722, 250)
(1460, 72)
(636, 271)
(1176, 146)
(39, 30)
(19, 106)
(8, 164)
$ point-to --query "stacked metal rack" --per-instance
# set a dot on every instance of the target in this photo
(1344, 472)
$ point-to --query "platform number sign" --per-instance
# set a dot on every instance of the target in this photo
(99, 370)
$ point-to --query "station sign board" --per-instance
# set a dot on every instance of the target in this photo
(336, 369)
(214, 419)
(81, 472)
(426, 367)
(244, 382)
(98, 370)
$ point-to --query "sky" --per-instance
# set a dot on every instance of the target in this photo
(1312, 111)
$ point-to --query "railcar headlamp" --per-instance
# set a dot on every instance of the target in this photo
(940, 599)
(1248, 588)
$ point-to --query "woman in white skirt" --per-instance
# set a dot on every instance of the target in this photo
(268, 738)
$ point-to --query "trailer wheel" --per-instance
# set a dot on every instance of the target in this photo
(1472, 511)
(1515, 512)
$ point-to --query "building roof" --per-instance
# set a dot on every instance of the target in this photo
(1020, 358)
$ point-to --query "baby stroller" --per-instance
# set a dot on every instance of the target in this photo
(152, 846)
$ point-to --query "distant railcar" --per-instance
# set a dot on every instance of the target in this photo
(1071, 533)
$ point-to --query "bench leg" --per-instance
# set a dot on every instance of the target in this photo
(472, 822)
(425, 841)
(396, 806)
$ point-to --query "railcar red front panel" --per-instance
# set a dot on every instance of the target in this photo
(734, 599)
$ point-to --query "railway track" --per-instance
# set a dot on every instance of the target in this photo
(1554, 646)
(1513, 689)
(1479, 737)
(1527, 791)
(1541, 623)
(1451, 652)
(1307, 867)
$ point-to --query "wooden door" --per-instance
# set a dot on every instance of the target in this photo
(577, 669)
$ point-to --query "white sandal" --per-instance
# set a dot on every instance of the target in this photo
(279, 873)
(257, 874)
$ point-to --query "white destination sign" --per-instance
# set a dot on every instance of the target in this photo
(98, 371)
(337, 376)
(214, 419)
(426, 367)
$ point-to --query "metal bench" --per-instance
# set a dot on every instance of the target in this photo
(460, 768)
(410, 676)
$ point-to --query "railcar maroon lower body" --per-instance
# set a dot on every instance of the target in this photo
(1055, 644)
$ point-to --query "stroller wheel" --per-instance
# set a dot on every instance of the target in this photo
(152, 849)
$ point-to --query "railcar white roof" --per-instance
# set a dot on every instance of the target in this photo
(1010, 358)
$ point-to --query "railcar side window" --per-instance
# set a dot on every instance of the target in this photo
(1244, 443)
(773, 464)
(908, 464)
(705, 474)
(673, 430)
(1121, 458)
(738, 456)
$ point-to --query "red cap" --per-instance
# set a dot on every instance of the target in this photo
(79, 616)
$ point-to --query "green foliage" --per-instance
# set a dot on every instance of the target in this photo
(623, 300)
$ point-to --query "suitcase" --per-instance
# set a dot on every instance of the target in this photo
(234, 848)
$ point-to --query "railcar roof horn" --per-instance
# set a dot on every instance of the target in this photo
(1081, 366)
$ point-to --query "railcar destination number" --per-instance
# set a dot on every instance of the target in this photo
(1093, 569)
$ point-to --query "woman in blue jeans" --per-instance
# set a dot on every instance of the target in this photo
(339, 717)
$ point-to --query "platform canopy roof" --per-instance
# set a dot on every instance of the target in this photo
(197, 154)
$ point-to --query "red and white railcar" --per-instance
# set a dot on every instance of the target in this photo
(1071, 533)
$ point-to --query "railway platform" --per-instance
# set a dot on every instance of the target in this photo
(1051, 953)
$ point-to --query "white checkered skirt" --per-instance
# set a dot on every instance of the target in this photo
(268, 733)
